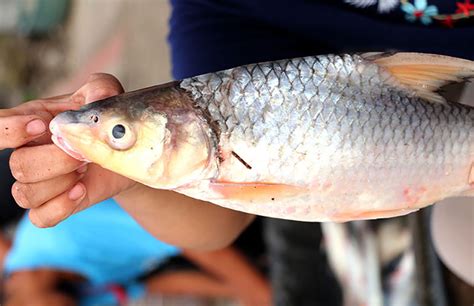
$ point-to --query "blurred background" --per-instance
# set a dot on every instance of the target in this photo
(50, 47)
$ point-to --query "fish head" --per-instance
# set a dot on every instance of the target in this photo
(157, 148)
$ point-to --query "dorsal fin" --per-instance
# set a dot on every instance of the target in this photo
(424, 73)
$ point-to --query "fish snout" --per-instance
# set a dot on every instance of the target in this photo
(72, 117)
(60, 119)
(59, 136)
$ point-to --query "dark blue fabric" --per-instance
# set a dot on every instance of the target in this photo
(209, 35)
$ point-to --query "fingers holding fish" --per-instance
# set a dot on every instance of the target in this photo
(16, 131)
(53, 184)
(48, 107)
(99, 86)
(52, 200)
(27, 124)
(35, 194)
(79, 192)
(29, 121)
(59, 208)
(39, 163)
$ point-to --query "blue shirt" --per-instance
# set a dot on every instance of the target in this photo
(102, 243)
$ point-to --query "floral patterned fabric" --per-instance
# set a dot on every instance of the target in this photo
(425, 12)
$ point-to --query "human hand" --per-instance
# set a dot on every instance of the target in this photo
(27, 124)
(50, 183)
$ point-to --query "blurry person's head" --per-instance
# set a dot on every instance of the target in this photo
(40, 287)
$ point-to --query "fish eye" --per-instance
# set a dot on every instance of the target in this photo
(118, 131)
(121, 137)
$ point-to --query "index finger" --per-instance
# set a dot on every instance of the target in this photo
(16, 131)
(52, 106)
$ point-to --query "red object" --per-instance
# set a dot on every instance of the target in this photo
(418, 14)
(448, 22)
(465, 7)
(119, 293)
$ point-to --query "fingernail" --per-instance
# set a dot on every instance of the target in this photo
(36, 127)
(82, 169)
(76, 192)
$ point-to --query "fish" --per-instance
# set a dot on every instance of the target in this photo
(317, 138)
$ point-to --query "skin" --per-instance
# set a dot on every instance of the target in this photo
(54, 186)
(37, 288)
(233, 270)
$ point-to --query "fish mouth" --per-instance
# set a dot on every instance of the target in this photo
(62, 143)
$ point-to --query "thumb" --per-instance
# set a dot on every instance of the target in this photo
(99, 86)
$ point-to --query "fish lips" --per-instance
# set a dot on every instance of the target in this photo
(57, 138)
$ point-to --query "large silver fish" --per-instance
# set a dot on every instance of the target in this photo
(317, 138)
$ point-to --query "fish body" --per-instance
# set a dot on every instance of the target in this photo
(319, 138)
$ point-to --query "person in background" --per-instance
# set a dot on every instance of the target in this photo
(101, 256)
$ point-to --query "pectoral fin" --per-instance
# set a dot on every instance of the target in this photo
(424, 73)
(255, 191)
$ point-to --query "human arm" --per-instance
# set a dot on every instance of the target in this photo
(181, 220)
